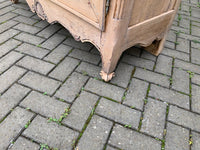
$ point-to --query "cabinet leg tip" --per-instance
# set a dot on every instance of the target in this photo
(14, 1)
(107, 77)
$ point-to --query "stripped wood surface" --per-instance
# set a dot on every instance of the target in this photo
(128, 23)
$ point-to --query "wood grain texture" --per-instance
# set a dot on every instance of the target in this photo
(128, 23)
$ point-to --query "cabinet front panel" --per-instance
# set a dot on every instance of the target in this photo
(92, 11)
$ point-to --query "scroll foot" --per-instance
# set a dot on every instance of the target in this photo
(107, 77)
(14, 1)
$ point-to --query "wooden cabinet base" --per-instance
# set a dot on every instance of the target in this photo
(111, 25)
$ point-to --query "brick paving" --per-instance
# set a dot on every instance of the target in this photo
(52, 97)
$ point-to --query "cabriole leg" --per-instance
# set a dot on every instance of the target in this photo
(109, 62)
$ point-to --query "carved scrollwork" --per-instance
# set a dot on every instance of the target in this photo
(37, 7)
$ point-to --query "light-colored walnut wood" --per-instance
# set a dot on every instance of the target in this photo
(112, 28)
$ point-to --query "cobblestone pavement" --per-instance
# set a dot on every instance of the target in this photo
(52, 96)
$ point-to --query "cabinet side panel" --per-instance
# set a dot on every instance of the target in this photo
(146, 9)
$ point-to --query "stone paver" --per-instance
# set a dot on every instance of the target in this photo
(7, 35)
(8, 60)
(50, 133)
(180, 141)
(85, 56)
(24, 144)
(175, 54)
(89, 69)
(184, 117)
(169, 96)
(39, 82)
(11, 98)
(196, 98)
(53, 41)
(195, 54)
(104, 89)
(96, 134)
(187, 66)
(126, 139)
(36, 65)
(196, 79)
(29, 38)
(44, 105)
(27, 28)
(73, 86)
(5, 26)
(13, 123)
(8, 46)
(25, 20)
(154, 118)
(50, 30)
(118, 113)
(152, 102)
(152, 77)
(136, 94)
(58, 53)
(81, 110)
(164, 65)
(122, 75)
(32, 50)
(63, 70)
(7, 16)
(196, 141)
(180, 81)
(9, 77)
(138, 62)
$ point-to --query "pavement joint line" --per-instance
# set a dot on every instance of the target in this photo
(19, 134)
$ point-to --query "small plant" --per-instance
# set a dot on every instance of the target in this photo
(44, 146)
(65, 114)
(84, 73)
(176, 43)
(195, 41)
(45, 93)
(27, 124)
(62, 100)
(145, 101)
(95, 78)
(190, 140)
(127, 126)
(177, 32)
(124, 97)
(58, 121)
(164, 132)
(39, 45)
(82, 89)
(191, 74)
(179, 17)
(73, 143)
(171, 80)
